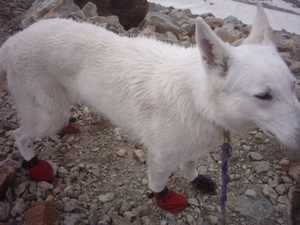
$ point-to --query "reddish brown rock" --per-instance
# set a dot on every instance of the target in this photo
(294, 172)
(7, 175)
(42, 213)
(130, 13)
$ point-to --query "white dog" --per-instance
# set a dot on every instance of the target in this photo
(177, 101)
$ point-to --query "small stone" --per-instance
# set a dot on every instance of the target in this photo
(45, 185)
(142, 210)
(280, 221)
(72, 219)
(70, 205)
(130, 214)
(171, 37)
(261, 167)
(213, 22)
(286, 179)
(93, 216)
(21, 188)
(190, 219)
(118, 220)
(202, 170)
(18, 208)
(139, 155)
(62, 172)
(269, 192)
(284, 162)
(96, 171)
(70, 139)
(194, 202)
(283, 199)
(108, 197)
(246, 148)
(59, 205)
(144, 181)
(9, 133)
(4, 211)
(163, 222)
(255, 156)
(122, 152)
(216, 157)
(42, 213)
(281, 189)
(273, 183)
(211, 208)
(213, 219)
(90, 10)
(97, 149)
(250, 193)
(260, 136)
(126, 206)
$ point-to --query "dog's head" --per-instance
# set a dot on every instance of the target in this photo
(250, 84)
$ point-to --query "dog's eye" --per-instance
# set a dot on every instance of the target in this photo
(265, 96)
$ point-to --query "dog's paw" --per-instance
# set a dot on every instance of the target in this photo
(39, 169)
(294, 205)
(71, 128)
(41, 172)
(170, 200)
(204, 184)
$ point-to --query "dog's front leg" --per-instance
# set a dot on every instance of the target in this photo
(200, 182)
(158, 174)
(38, 170)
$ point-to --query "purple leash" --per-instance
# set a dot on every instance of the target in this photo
(225, 177)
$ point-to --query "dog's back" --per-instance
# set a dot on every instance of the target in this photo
(59, 62)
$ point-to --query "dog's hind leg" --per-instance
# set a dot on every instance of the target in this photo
(200, 182)
(38, 170)
(158, 174)
(24, 143)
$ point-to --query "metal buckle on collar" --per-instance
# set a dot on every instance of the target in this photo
(226, 136)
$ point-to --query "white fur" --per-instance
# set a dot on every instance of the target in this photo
(175, 100)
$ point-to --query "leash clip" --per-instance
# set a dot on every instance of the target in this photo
(226, 136)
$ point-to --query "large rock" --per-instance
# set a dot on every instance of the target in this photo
(42, 213)
(4, 211)
(45, 9)
(213, 22)
(103, 6)
(130, 13)
(258, 209)
(225, 35)
(294, 172)
(7, 175)
(163, 23)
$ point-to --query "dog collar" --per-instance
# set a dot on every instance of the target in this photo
(226, 148)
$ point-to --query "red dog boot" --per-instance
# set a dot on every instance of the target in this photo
(71, 128)
(38, 170)
(170, 200)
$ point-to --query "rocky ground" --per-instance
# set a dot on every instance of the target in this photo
(101, 175)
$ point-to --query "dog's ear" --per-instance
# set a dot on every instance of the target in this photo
(261, 32)
(214, 52)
